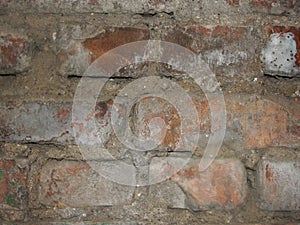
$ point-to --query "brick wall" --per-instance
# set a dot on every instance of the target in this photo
(65, 157)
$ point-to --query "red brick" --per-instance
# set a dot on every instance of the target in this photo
(223, 185)
(76, 184)
(13, 191)
(150, 108)
(153, 107)
(205, 38)
(261, 122)
(14, 54)
(279, 184)
(76, 54)
(264, 122)
(233, 2)
(114, 38)
(263, 3)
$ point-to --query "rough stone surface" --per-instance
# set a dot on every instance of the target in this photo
(75, 184)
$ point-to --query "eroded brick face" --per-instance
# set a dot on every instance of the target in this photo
(75, 184)
(279, 185)
(233, 2)
(14, 54)
(76, 53)
(228, 50)
(265, 124)
(250, 46)
(270, 3)
(223, 185)
(13, 181)
(198, 37)
(261, 122)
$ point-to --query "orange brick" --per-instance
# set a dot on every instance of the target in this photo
(223, 185)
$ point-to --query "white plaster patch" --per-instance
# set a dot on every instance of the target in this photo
(225, 57)
(279, 55)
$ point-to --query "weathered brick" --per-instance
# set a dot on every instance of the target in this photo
(278, 182)
(206, 38)
(77, 53)
(150, 108)
(222, 186)
(233, 2)
(76, 184)
(273, 6)
(113, 38)
(224, 48)
(13, 190)
(281, 56)
(50, 122)
(263, 121)
(264, 124)
(14, 53)
(259, 121)
(175, 133)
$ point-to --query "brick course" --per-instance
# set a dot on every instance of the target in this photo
(251, 47)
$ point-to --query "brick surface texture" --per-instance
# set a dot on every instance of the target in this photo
(223, 185)
(87, 140)
(279, 185)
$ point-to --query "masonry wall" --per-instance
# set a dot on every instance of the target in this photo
(57, 168)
